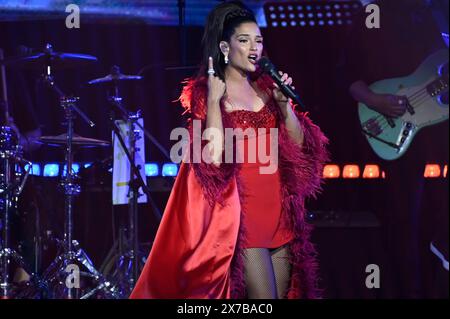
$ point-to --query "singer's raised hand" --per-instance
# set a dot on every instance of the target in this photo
(216, 87)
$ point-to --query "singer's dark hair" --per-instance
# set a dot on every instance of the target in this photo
(220, 26)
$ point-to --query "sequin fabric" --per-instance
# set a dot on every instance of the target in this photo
(264, 118)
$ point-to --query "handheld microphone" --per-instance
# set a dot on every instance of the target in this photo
(267, 67)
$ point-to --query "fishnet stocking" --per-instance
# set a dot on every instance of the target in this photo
(267, 272)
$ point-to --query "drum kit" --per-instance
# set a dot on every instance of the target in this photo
(62, 278)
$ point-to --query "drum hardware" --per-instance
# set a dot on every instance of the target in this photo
(114, 77)
(128, 260)
(72, 253)
(11, 186)
(77, 140)
(57, 60)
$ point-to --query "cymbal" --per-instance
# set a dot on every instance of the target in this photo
(115, 76)
(111, 78)
(79, 141)
(58, 60)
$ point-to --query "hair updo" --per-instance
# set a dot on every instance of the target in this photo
(220, 26)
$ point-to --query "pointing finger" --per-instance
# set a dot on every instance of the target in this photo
(210, 63)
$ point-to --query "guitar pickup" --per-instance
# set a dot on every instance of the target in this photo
(372, 126)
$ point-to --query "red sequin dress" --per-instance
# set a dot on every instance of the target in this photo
(262, 190)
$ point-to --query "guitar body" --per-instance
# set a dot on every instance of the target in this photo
(426, 91)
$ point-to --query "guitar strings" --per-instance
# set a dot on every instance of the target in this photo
(382, 120)
(415, 100)
(416, 95)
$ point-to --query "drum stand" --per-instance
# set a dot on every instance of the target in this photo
(129, 261)
(63, 275)
(10, 189)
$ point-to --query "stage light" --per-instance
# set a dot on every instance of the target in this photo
(444, 172)
(75, 169)
(371, 171)
(432, 171)
(169, 169)
(331, 171)
(350, 171)
(51, 169)
(87, 165)
(151, 169)
(35, 169)
(310, 13)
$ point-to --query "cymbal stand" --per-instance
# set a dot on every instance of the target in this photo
(10, 188)
(129, 260)
(72, 254)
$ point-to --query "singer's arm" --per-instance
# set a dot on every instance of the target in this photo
(214, 125)
(215, 130)
(291, 121)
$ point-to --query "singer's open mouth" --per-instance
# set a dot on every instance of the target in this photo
(252, 58)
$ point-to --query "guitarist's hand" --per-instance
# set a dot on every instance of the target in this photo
(389, 104)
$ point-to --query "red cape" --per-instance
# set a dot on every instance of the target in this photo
(197, 252)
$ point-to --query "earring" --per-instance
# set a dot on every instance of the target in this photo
(225, 58)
